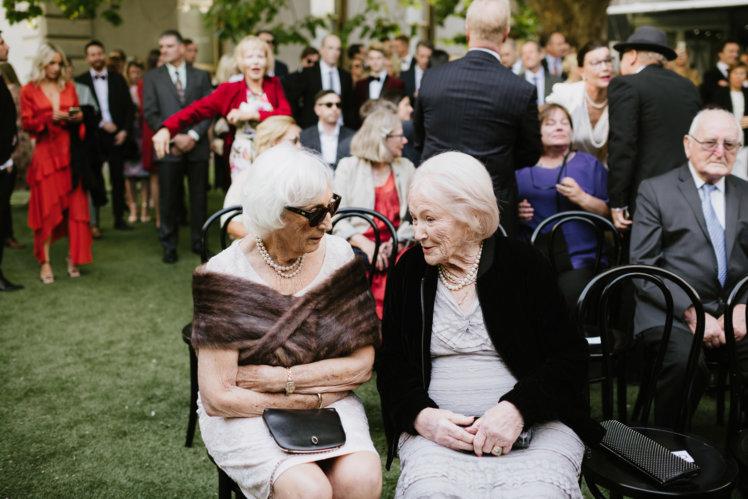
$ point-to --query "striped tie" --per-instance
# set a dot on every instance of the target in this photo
(180, 89)
(716, 232)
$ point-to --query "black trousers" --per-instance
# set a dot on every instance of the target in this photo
(7, 228)
(6, 188)
(114, 155)
(669, 389)
(170, 177)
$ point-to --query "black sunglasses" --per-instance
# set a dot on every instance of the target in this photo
(317, 215)
(330, 104)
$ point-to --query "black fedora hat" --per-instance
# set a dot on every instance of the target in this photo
(647, 38)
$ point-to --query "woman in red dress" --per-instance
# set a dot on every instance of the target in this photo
(244, 104)
(376, 177)
(49, 111)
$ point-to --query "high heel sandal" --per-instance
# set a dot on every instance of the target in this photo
(73, 271)
(46, 277)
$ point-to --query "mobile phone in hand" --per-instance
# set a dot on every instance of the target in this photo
(73, 111)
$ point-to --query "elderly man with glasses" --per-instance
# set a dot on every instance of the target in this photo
(693, 221)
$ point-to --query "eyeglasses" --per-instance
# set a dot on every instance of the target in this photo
(399, 136)
(601, 63)
(317, 215)
(710, 145)
(330, 104)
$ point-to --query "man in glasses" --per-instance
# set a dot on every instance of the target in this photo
(281, 69)
(650, 108)
(692, 221)
(328, 136)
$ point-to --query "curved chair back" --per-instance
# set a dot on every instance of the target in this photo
(736, 378)
(612, 279)
(369, 216)
(232, 211)
(598, 223)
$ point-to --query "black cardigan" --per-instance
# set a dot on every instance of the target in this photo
(526, 319)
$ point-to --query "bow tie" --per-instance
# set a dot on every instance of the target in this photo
(375, 78)
(101, 76)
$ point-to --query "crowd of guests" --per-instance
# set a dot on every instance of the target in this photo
(465, 158)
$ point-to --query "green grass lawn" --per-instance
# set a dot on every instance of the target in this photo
(95, 376)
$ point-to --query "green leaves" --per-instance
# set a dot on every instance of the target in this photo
(72, 9)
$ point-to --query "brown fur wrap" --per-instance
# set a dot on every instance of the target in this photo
(331, 320)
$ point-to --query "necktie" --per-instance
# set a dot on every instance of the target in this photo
(540, 92)
(555, 66)
(180, 89)
(331, 80)
(716, 232)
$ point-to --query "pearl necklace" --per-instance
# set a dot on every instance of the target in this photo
(594, 104)
(451, 281)
(279, 269)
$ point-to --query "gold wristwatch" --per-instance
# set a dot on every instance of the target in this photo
(290, 385)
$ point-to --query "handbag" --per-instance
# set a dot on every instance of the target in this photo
(301, 431)
(645, 454)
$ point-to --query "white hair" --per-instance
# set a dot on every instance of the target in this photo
(461, 185)
(700, 115)
(281, 176)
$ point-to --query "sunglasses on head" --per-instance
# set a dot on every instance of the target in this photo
(330, 104)
(317, 215)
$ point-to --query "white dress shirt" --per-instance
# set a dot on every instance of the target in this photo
(325, 72)
(717, 195)
(375, 87)
(101, 87)
(554, 65)
(328, 143)
(538, 81)
(419, 77)
(723, 68)
(405, 62)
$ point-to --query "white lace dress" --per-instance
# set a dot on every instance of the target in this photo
(242, 446)
(468, 377)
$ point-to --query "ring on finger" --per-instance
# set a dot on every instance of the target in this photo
(497, 450)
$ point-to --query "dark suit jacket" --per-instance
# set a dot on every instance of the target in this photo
(310, 139)
(721, 98)
(120, 103)
(650, 112)
(549, 81)
(300, 89)
(477, 106)
(280, 70)
(8, 130)
(362, 89)
(710, 84)
(160, 101)
(669, 231)
(409, 78)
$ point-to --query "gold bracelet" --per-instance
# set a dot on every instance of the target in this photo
(290, 385)
(319, 404)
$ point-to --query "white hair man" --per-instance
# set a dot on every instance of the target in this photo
(691, 221)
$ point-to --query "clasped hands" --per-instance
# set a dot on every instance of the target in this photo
(493, 433)
(714, 328)
(568, 187)
(161, 143)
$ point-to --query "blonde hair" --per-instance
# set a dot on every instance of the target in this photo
(378, 47)
(44, 56)
(369, 143)
(487, 20)
(461, 185)
(251, 42)
(226, 68)
(271, 131)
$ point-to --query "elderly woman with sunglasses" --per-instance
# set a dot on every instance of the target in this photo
(376, 177)
(563, 180)
(284, 319)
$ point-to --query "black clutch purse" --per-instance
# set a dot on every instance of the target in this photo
(300, 431)
(645, 454)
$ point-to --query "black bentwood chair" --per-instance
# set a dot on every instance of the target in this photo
(205, 253)
(718, 472)
(737, 438)
(369, 216)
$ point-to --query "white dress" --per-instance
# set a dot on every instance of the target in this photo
(243, 447)
(585, 138)
(468, 377)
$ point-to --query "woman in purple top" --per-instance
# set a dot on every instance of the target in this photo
(563, 180)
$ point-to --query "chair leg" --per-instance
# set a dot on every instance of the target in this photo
(193, 399)
(224, 484)
(722, 387)
(622, 387)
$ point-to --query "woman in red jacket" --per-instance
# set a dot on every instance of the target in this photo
(243, 103)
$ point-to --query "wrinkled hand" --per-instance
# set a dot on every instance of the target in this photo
(445, 428)
(109, 127)
(237, 115)
(738, 322)
(261, 378)
(714, 332)
(525, 210)
(184, 142)
(499, 426)
(383, 258)
(619, 220)
(120, 137)
(569, 188)
(161, 142)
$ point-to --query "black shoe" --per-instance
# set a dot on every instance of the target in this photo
(170, 256)
(6, 285)
(122, 225)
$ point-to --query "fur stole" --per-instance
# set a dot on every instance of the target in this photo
(331, 320)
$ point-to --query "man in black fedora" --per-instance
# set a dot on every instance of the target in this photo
(650, 111)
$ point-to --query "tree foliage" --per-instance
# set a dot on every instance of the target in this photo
(579, 20)
(72, 9)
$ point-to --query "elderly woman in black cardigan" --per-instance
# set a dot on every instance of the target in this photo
(476, 348)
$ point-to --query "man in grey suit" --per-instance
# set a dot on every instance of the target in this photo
(535, 73)
(167, 90)
(328, 136)
(693, 221)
